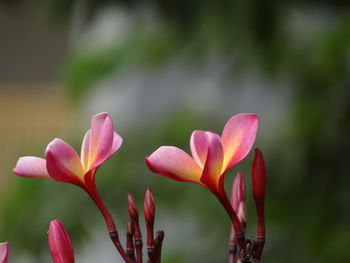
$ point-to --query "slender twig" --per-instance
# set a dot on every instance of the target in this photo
(259, 247)
(134, 219)
(151, 249)
(232, 247)
(158, 242)
(138, 242)
(259, 185)
(237, 226)
(129, 242)
(149, 214)
(261, 231)
(113, 233)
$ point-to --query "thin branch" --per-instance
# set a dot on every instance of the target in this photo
(134, 219)
(113, 233)
(129, 242)
(149, 214)
(158, 242)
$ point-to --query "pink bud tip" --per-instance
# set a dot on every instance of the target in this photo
(132, 209)
(149, 206)
(59, 243)
(4, 252)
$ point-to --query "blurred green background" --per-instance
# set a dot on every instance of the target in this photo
(163, 69)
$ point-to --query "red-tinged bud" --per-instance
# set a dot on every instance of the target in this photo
(242, 213)
(238, 191)
(132, 208)
(59, 243)
(149, 206)
(259, 184)
(4, 252)
(259, 176)
(238, 198)
(149, 213)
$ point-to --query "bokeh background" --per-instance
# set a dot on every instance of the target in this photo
(162, 69)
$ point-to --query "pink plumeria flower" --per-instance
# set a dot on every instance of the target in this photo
(60, 244)
(64, 164)
(212, 156)
(4, 252)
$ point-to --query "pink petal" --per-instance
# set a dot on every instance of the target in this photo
(101, 142)
(174, 163)
(4, 252)
(63, 162)
(85, 149)
(30, 166)
(213, 164)
(59, 243)
(199, 147)
(238, 138)
(117, 142)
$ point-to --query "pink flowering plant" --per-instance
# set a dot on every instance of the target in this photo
(212, 157)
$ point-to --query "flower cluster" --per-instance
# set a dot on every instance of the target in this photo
(212, 156)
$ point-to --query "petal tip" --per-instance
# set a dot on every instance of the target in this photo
(30, 166)
(102, 115)
(52, 143)
(149, 164)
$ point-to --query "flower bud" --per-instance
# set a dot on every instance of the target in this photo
(59, 243)
(4, 252)
(259, 183)
(242, 213)
(132, 209)
(238, 198)
(259, 176)
(149, 206)
(238, 191)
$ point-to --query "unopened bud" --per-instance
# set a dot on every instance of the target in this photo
(242, 213)
(149, 206)
(132, 209)
(238, 191)
(259, 176)
(59, 243)
(149, 213)
(259, 184)
(4, 252)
